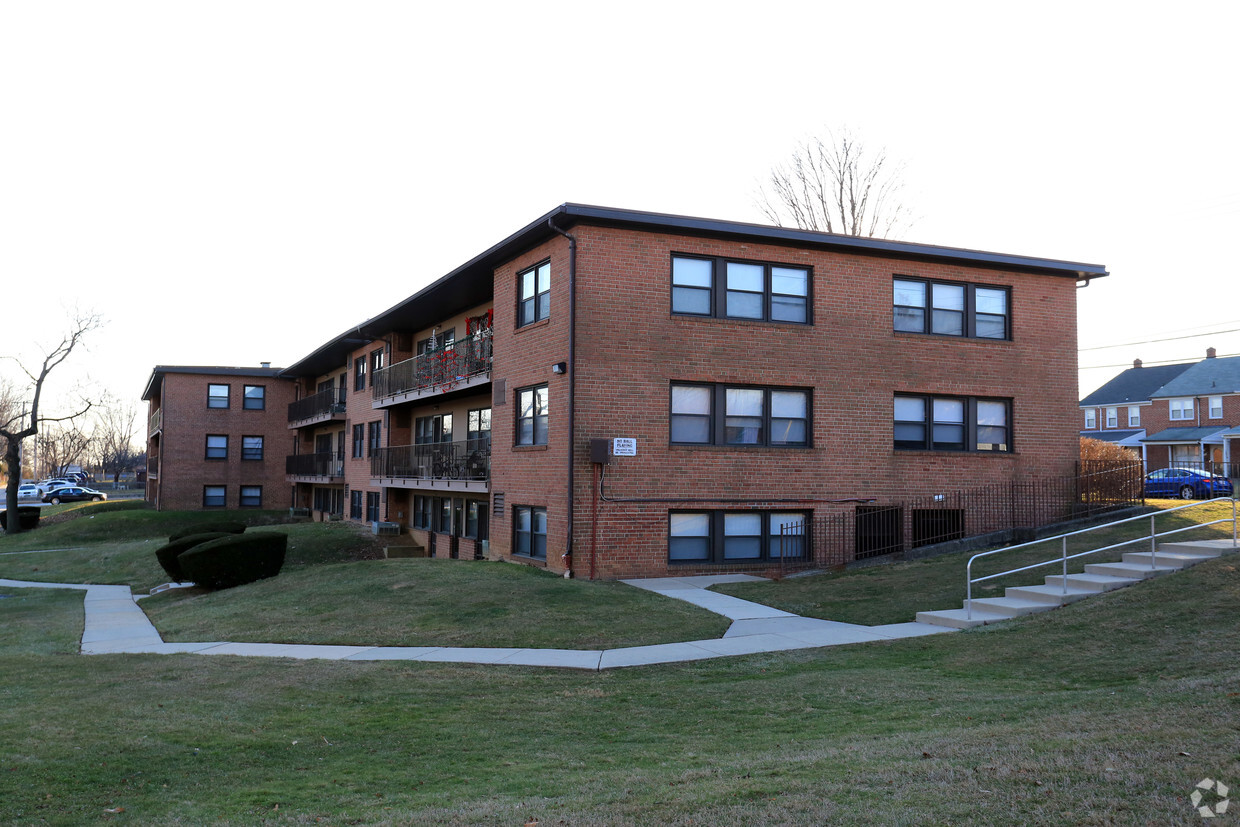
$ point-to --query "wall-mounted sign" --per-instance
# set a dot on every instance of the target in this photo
(624, 447)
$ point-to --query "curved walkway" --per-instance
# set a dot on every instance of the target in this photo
(115, 623)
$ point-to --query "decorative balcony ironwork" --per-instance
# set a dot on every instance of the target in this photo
(321, 464)
(320, 406)
(438, 370)
(467, 459)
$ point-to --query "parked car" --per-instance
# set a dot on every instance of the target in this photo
(29, 491)
(1186, 483)
(53, 483)
(72, 494)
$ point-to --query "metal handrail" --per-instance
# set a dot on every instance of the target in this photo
(1065, 557)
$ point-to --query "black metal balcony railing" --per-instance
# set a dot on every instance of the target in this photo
(323, 403)
(440, 369)
(468, 459)
(323, 464)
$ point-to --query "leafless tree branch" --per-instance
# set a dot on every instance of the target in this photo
(834, 185)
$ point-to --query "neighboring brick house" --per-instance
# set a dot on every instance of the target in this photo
(761, 376)
(217, 437)
(1116, 412)
(1194, 418)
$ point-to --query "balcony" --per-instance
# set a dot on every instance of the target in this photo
(324, 406)
(444, 466)
(156, 422)
(322, 467)
(460, 364)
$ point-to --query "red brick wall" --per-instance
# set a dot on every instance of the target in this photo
(630, 347)
(533, 476)
(187, 420)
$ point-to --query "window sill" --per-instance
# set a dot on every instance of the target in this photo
(701, 446)
(949, 337)
(532, 326)
(693, 317)
(947, 452)
(527, 448)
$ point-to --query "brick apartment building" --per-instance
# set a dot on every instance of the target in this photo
(217, 437)
(762, 378)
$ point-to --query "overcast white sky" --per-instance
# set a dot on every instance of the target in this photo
(193, 170)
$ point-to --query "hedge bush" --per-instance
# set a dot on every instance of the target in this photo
(27, 517)
(220, 526)
(168, 554)
(233, 560)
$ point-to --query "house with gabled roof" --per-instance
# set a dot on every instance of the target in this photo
(1193, 418)
(1113, 413)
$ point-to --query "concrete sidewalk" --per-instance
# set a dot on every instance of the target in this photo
(115, 624)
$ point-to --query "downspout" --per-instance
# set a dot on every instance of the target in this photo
(572, 385)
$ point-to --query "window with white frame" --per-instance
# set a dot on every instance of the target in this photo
(1180, 409)
(1112, 417)
(1216, 407)
(1091, 418)
(1134, 416)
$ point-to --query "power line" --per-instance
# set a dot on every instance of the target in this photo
(1167, 339)
(1150, 364)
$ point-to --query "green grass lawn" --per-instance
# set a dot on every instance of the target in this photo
(1105, 712)
(895, 593)
(331, 590)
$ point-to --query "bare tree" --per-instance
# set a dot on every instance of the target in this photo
(836, 185)
(22, 415)
(116, 428)
(62, 445)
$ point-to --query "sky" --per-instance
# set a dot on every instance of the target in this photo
(192, 171)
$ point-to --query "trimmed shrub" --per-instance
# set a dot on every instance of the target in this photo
(231, 561)
(27, 517)
(168, 554)
(221, 527)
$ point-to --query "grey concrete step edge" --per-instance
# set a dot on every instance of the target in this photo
(1102, 582)
(958, 619)
(1010, 606)
(1175, 559)
(1133, 570)
(1054, 595)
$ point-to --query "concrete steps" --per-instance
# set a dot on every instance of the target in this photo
(1097, 578)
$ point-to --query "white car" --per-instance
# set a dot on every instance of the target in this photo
(29, 492)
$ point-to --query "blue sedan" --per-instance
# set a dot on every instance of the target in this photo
(1186, 483)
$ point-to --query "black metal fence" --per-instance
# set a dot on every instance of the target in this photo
(440, 369)
(839, 534)
(323, 403)
(467, 459)
(322, 464)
